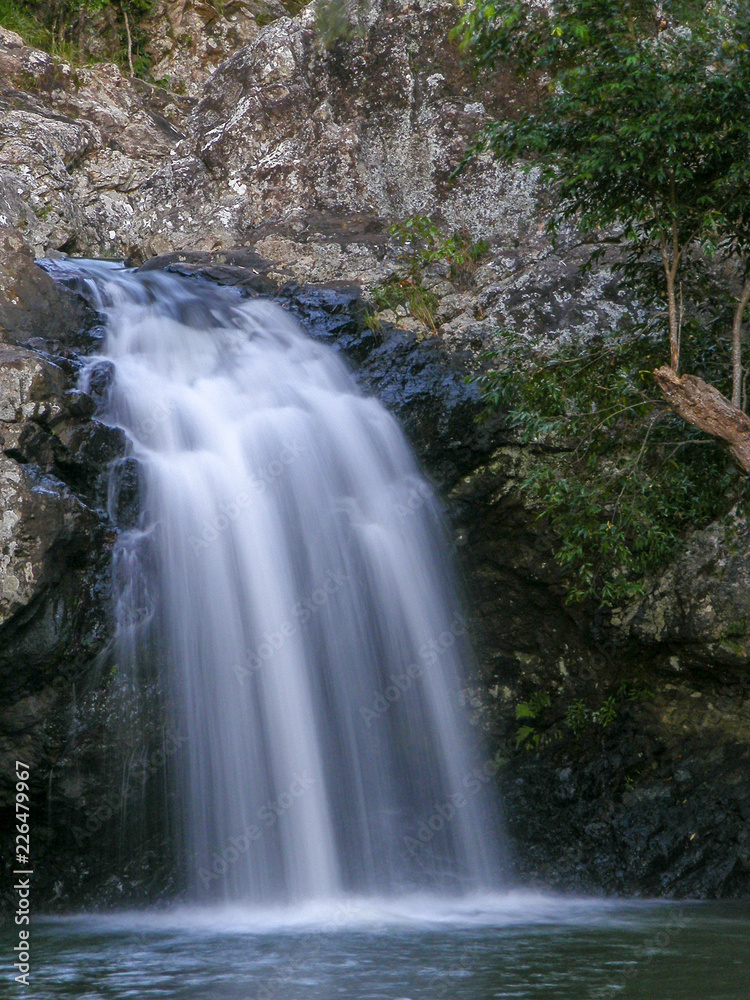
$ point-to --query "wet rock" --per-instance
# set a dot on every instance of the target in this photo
(625, 824)
(240, 266)
(54, 566)
(699, 609)
(83, 453)
(125, 493)
(55, 536)
(31, 304)
(46, 529)
(100, 376)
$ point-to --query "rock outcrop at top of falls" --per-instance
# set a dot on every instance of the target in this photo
(282, 171)
(304, 145)
(370, 115)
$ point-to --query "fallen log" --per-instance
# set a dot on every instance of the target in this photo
(704, 407)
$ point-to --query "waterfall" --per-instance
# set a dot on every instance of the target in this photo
(291, 569)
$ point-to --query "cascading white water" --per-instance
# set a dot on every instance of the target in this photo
(305, 612)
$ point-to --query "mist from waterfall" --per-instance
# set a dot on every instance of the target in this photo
(291, 571)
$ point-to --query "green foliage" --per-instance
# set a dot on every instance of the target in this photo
(578, 717)
(555, 38)
(338, 21)
(581, 719)
(607, 713)
(539, 727)
(530, 735)
(534, 706)
(408, 292)
(59, 28)
(619, 478)
(644, 127)
(15, 15)
(641, 127)
(424, 243)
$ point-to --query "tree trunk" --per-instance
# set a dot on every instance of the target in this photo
(704, 407)
(130, 41)
(737, 344)
(671, 260)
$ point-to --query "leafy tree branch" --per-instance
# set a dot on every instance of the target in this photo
(642, 124)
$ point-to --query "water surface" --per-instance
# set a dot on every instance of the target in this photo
(519, 945)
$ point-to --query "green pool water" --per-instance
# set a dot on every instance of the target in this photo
(519, 945)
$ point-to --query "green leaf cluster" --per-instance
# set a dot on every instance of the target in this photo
(640, 117)
(618, 477)
(409, 292)
(580, 718)
(425, 243)
(529, 735)
(58, 27)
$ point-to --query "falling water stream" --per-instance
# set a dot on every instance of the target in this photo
(289, 571)
(312, 642)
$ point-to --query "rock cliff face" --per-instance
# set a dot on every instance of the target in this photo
(77, 144)
(187, 40)
(54, 473)
(281, 172)
(55, 535)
